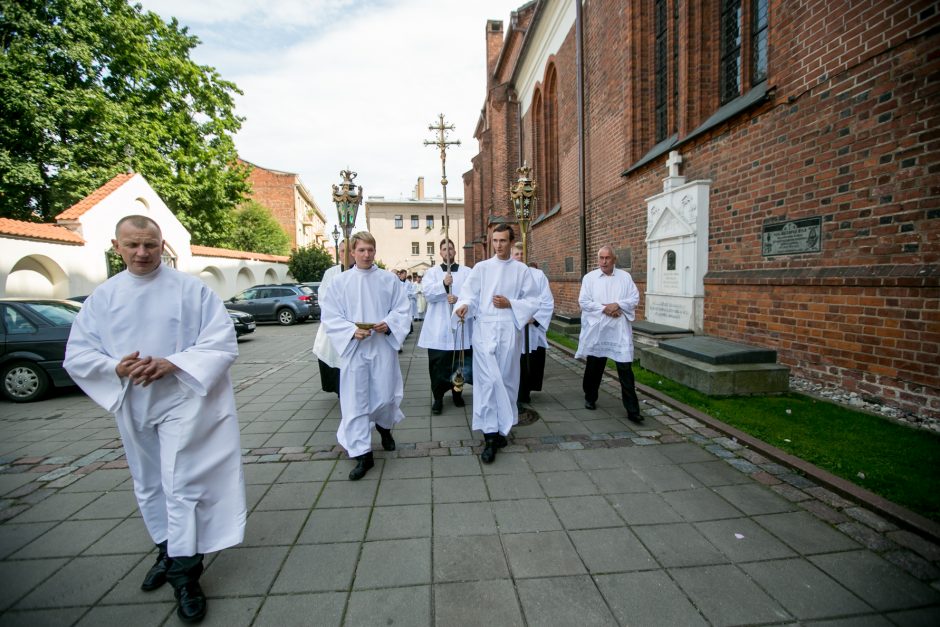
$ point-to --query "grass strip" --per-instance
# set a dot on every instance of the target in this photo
(895, 461)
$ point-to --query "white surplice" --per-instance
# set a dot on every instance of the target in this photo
(180, 433)
(497, 337)
(322, 347)
(371, 387)
(436, 332)
(602, 335)
(537, 332)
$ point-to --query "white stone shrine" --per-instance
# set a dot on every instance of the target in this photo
(677, 250)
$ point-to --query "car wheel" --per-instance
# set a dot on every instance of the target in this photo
(286, 317)
(24, 382)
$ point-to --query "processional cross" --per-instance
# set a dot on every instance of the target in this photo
(443, 143)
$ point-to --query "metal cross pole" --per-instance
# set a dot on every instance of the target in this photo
(442, 143)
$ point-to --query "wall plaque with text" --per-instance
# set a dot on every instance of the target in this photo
(792, 238)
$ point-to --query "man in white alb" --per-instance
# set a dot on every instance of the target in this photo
(500, 297)
(366, 316)
(608, 301)
(532, 364)
(442, 285)
(327, 358)
(154, 346)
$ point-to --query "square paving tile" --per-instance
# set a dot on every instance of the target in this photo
(463, 519)
(643, 456)
(400, 521)
(667, 478)
(715, 473)
(349, 493)
(318, 568)
(394, 563)
(804, 590)
(271, 528)
(458, 489)
(262, 473)
(611, 550)
(700, 504)
(563, 601)
(525, 515)
(507, 464)
(585, 512)
(567, 483)
(57, 507)
(684, 453)
(474, 603)
(645, 508)
(618, 481)
(404, 491)
(14, 537)
(550, 461)
(753, 499)
(296, 610)
(879, 583)
(469, 558)
(544, 554)
(409, 606)
(519, 486)
(678, 545)
(291, 496)
(727, 597)
(128, 536)
(806, 533)
(243, 571)
(80, 582)
(455, 465)
(113, 504)
(743, 540)
(629, 595)
(315, 470)
(144, 615)
(408, 468)
(20, 577)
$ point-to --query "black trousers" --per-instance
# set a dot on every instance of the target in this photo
(531, 373)
(329, 377)
(182, 570)
(441, 366)
(594, 371)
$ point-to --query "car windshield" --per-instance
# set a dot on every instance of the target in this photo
(59, 314)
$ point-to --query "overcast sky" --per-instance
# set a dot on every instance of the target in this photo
(330, 84)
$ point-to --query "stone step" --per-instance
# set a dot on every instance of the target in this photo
(741, 379)
(713, 350)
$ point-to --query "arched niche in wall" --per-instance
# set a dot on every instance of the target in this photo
(37, 276)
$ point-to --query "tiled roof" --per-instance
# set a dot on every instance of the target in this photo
(208, 251)
(35, 230)
(92, 199)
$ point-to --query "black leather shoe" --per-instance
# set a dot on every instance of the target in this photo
(489, 449)
(500, 441)
(388, 442)
(365, 463)
(590, 405)
(458, 399)
(156, 576)
(637, 418)
(437, 407)
(191, 602)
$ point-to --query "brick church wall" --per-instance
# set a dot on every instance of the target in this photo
(848, 134)
(276, 191)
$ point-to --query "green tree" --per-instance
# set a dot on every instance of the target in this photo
(256, 230)
(91, 88)
(309, 264)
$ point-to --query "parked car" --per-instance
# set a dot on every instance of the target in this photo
(287, 303)
(33, 334)
(244, 322)
(315, 286)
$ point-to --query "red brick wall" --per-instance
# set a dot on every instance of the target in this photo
(849, 134)
(275, 190)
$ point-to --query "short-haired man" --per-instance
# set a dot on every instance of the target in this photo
(366, 317)
(500, 297)
(608, 301)
(442, 287)
(532, 364)
(154, 346)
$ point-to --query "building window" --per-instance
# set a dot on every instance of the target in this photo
(430, 221)
(730, 60)
(670, 260)
(414, 221)
(398, 222)
(415, 248)
(661, 70)
(430, 248)
(550, 185)
(758, 41)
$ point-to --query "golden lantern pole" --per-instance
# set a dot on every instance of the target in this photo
(523, 196)
(442, 144)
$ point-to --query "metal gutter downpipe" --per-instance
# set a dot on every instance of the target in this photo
(582, 185)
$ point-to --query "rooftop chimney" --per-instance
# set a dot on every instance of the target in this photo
(419, 189)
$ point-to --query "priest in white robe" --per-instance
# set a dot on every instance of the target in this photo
(500, 297)
(327, 357)
(154, 346)
(442, 287)
(608, 301)
(371, 386)
(532, 361)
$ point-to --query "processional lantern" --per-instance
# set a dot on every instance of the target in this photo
(523, 195)
(347, 196)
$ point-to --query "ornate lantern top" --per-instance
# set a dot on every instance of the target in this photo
(347, 197)
(523, 194)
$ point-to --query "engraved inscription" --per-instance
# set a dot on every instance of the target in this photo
(792, 238)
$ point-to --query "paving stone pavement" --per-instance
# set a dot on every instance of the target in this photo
(585, 519)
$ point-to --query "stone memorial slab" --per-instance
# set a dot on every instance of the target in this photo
(712, 350)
